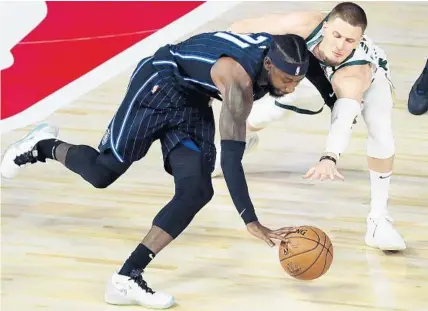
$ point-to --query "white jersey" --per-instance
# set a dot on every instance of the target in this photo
(366, 53)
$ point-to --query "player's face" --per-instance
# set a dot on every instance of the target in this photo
(281, 83)
(340, 38)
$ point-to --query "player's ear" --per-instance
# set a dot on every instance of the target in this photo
(324, 26)
(267, 63)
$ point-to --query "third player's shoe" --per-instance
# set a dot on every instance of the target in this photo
(418, 96)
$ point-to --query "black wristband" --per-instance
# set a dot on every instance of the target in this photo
(326, 157)
(231, 156)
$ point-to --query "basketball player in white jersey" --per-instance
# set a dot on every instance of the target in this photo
(359, 73)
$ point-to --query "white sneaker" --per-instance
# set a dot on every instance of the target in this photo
(125, 290)
(382, 235)
(23, 152)
(252, 141)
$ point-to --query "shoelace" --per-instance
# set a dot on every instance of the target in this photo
(138, 278)
(386, 217)
(26, 157)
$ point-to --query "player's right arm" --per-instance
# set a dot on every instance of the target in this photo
(236, 89)
(299, 23)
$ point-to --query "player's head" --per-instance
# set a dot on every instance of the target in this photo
(342, 32)
(286, 63)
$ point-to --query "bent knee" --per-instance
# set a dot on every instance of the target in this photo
(102, 177)
(381, 146)
(195, 190)
(100, 182)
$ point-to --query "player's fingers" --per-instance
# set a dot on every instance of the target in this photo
(315, 175)
(339, 175)
(323, 177)
(331, 175)
(278, 237)
(285, 230)
(269, 241)
(309, 173)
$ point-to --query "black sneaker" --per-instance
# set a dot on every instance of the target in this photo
(418, 96)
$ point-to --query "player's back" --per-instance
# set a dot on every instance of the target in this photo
(193, 58)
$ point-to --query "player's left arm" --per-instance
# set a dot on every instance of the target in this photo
(349, 83)
(236, 88)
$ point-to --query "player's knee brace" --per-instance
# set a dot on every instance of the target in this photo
(265, 111)
(193, 190)
(83, 160)
(380, 143)
(191, 194)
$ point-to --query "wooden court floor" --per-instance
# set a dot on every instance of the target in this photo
(61, 239)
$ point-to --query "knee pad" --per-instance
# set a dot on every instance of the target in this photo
(191, 194)
(85, 161)
(102, 177)
(193, 190)
(265, 111)
(377, 114)
(380, 143)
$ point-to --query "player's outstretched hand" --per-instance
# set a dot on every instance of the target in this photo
(263, 233)
(323, 170)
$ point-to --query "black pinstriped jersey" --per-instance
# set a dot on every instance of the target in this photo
(192, 59)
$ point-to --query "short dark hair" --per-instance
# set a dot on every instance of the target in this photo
(351, 13)
(292, 48)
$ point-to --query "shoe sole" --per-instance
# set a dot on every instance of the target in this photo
(392, 248)
(119, 302)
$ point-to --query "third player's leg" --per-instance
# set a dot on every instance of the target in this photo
(377, 114)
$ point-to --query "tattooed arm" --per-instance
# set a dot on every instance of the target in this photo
(237, 92)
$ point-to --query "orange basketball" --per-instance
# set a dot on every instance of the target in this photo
(308, 253)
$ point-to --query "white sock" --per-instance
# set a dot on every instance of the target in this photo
(379, 183)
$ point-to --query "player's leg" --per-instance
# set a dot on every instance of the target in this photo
(377, 114)
(193, 190)
(418, 96)
(99, 169)
(189, 156)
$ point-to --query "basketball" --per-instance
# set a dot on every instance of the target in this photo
(307, 254)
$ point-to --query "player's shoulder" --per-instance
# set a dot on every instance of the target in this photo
(232, 69)
(315, 17)
(304, 22)
(227, 72)
(365, 52)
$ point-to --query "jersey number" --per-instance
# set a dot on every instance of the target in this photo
(246, 39)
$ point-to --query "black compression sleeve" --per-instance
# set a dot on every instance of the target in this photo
(231, 156)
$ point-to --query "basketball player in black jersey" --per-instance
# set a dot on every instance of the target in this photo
(168, 99)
